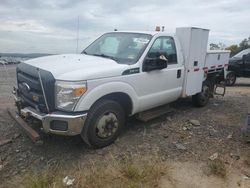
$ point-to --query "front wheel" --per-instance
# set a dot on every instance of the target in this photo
(105, 122)
(231, 79)
(201, 99)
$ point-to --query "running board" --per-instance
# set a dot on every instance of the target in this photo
(154, 113)
(34, 135)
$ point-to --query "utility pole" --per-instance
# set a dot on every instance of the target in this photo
(77, 34)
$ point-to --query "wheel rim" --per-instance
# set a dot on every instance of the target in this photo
(230, 79)
(204, 94)
(107, 125)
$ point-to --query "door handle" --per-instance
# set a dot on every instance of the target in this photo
(179, 73)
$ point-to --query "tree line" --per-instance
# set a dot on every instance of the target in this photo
(235, 48)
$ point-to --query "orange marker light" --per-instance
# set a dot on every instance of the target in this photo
(79, 91)
(157, 28)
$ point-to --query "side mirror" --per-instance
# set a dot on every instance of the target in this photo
(158, 63)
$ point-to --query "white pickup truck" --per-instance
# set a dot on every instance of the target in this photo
(120, 74)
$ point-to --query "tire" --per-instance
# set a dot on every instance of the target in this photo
(201, 99)
(231, 79)
(104, 123)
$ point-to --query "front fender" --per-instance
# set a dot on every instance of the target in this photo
(98, 92)
(235, 68)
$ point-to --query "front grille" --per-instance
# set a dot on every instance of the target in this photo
(30, 90)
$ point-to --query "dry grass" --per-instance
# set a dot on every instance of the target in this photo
(218, 168)
(47, 178)
(132, 172)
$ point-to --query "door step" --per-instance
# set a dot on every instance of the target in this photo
(154, 113)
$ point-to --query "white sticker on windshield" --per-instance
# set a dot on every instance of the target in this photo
(141, 40)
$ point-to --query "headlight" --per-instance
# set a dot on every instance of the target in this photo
(68, 93)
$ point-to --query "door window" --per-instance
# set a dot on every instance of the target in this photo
(164, 46)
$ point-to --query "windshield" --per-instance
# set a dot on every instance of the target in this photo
(124, 48)
(243, 52)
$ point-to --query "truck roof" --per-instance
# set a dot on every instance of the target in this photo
(144, 32)
(218, 51)
(158, 32)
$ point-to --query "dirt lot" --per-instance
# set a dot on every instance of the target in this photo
(183, 146)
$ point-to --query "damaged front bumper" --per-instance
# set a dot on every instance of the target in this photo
(58, 122)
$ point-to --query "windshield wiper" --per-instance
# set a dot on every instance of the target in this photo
(105, 56)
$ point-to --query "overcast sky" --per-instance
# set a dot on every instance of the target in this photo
(49, 26)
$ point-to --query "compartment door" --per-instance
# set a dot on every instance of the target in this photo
(196, 61)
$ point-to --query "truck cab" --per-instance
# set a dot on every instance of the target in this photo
(120, 74)
(239, 66)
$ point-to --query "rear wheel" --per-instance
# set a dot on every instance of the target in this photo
(104, 123)
(201, 99)
(230, 79)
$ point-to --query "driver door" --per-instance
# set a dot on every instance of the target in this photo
(158, 87)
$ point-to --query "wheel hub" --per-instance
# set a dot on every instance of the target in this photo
(107, 125)
(230, 78)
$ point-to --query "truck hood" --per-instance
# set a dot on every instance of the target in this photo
(74, 67)
(234, 60)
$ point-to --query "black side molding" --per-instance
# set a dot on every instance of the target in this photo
(131, 71)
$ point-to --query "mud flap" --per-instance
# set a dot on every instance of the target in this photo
(33, 135)
(220, 88)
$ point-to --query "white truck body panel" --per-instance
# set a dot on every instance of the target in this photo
(194, 47)
(217, 59)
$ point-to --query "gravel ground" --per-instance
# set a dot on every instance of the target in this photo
(172, 135)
